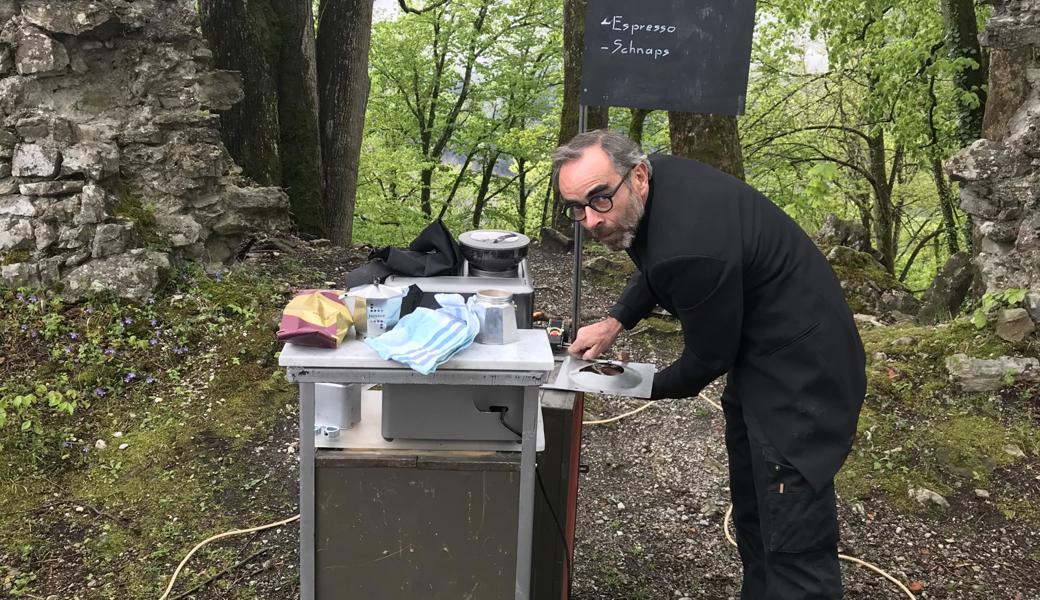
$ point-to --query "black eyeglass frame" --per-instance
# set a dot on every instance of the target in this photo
(568, 207)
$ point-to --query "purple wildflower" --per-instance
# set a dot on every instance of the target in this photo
(66, 444)
(129, 377)
(20, 296)
(67, 349)
(151, 299)
(100, 392)
(180, 349)
(150, 379)
(110, 351)
(24, 327)
(153, 341)
(33, 333)
(153, 322)
(33, 298)
(85, 450)
(90, 310)
(73, 336)
(128, 321)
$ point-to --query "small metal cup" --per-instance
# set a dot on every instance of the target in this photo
(497, 315)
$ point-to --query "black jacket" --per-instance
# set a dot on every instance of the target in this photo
(756, 299)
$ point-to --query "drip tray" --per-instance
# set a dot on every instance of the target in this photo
(604, 377)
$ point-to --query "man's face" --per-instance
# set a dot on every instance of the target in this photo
(594, 174)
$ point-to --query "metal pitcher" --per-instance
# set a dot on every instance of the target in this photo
(497, 315)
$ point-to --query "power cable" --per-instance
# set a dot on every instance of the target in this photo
(173, 579)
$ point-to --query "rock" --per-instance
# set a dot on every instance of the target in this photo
(903, 341)
(35, 160)
(8, 9)
(8, 186)
(17, 206)
(8, 141)
(7, 63)
(980, 493)
(837, 232)
(944, 296)
(46, 234)
(556, 241)
(96, 160)
(19, 274)
(71, 238)
(50, 188)
(133, 275)
(901, 301)
(111, 239)
(182, 230)
(867, 320)
(607, 268)
(1014, 450)
(988, 375)
(219, 90)
(100, 444)
(1014, 324)
(37, 53)
(926, 497)
(94, 204)
(5, 169)
(15, 234)
(72, 17)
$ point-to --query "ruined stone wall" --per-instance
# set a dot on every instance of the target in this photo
(1000, 174)
(111, 161)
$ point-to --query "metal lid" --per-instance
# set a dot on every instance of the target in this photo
(494, 239)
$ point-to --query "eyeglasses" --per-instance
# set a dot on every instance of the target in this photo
(600, 203)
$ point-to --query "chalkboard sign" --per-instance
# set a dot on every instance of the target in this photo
(682, 55)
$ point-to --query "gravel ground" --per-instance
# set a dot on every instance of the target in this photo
(652, 506)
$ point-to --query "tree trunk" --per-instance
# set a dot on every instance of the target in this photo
(946, 201)
(884, 212)
(244, 37)
(298, 116)
(521, 204)
(598, 116)
(711, 139)
(635, 125)
(486, 172)
(344, 32)
(962, 41)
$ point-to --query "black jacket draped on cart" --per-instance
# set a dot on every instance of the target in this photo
(756, 300)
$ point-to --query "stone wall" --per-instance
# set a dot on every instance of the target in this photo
(111, 161)
(1000, 174)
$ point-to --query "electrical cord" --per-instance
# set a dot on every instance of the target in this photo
(728, 520)
(173, 579)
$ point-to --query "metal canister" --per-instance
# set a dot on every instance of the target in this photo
(497, 315)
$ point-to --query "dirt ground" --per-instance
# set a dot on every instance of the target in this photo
(651, 507)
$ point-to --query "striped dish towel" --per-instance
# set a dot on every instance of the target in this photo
(425, 338)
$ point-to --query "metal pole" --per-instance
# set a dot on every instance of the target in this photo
(583, 115)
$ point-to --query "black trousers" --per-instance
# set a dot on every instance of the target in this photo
(787, 533)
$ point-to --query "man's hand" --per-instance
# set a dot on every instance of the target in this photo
(593, 340)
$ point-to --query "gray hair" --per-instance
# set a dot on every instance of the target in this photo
(623, 152)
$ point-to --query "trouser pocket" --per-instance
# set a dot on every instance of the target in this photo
(800, 519)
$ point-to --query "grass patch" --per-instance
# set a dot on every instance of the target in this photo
(918, 430)
(186, 383)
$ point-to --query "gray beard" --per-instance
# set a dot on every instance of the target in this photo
(629, 226)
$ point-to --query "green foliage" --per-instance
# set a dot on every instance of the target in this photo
(453, 90)
(992, 300)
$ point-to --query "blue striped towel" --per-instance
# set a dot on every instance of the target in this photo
(425, 338)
